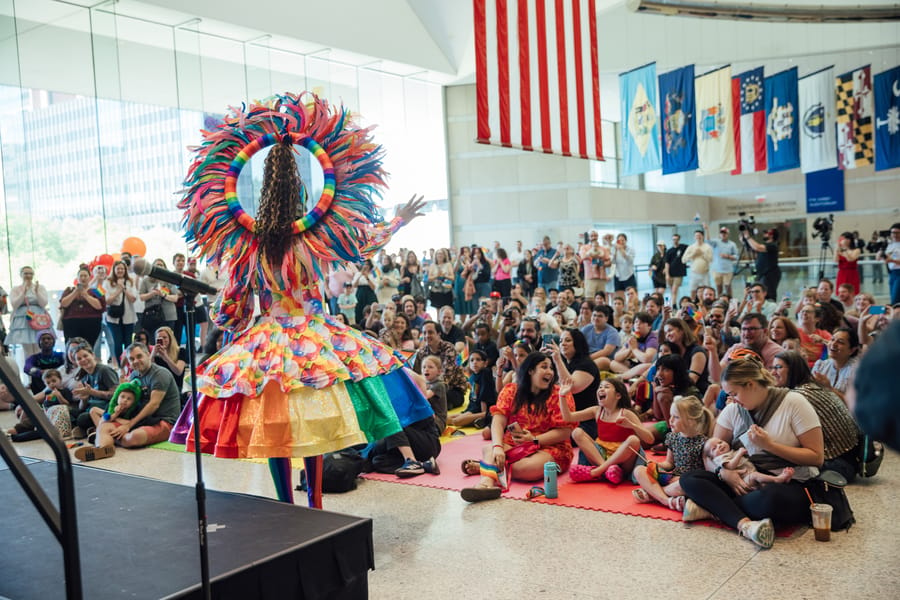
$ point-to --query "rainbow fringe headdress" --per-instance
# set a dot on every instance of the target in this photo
(345, 226)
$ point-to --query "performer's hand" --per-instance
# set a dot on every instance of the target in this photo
(412, 209)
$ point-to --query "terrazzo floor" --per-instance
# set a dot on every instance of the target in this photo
(430, 543)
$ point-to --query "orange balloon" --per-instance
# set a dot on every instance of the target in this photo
(134, 246)
(106, 260)
(116, 256)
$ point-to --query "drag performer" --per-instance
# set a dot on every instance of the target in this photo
(295, 382)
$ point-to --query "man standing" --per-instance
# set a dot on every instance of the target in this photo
(892, 260)
(725, 253)
(675, 267)
(546, 261)
(623, 257)
(699, 256)
(767, 269)
(594, 258)
(602, 338)
(515, 258)
(453, 374)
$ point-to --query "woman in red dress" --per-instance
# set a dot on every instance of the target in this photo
(846, 258)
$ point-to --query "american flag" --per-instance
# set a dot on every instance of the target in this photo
(537, 76)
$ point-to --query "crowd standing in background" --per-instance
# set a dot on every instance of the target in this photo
(473, 321)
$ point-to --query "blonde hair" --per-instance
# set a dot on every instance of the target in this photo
(173, 348)
(435, 360)
(692, 410)
(745, 370)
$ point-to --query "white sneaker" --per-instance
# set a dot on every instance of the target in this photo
(694, 512)
(761, 533)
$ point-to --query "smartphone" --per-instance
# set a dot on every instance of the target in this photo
(787, 295)
(876, 310)
(512, 427)
(546, 339)
(667, 300)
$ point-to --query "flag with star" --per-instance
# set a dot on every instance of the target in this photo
(887, 119)
(782, 141)
(855, 137)
(640, 121)
(678, 117)
(750, 122)
(816, 126)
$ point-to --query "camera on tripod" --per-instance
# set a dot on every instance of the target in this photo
(746, 223)
(823, 227)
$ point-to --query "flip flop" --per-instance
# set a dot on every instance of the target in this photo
(88, 453)
(677, 503)
(480, 494)
(470, 467)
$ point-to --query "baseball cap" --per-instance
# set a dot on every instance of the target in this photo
(495, 294)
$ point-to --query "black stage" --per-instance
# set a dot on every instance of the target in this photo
(139, 540)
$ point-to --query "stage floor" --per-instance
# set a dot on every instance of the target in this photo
(138, 539)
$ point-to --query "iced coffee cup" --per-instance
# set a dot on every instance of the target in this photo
(821, 521)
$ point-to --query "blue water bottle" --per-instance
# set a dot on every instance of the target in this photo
(550, 471)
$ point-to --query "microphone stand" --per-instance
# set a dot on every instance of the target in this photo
(189, 299)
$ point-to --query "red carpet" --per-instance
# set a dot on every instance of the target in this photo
(600, 496)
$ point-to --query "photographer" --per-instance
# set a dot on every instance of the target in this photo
(767, 269)
(892, 259)
(876, 247)
(846, 257)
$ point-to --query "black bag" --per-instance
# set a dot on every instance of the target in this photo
(116, 311)
(340, 470)
(871, 453)
(153, 312)
(828, 488)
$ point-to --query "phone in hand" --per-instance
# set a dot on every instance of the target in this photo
(877, 310)
(514, 428)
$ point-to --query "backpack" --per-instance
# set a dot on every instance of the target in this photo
(340, 470)
(828, 488)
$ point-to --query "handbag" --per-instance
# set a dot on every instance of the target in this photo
(116, 311)
(828, 488)
(153, 312)
(871, 453)
(38, 321)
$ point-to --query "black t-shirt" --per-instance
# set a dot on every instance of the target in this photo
(767, 261)
(490, 348)
(673, 258)
(588, 396)
(182, 355)
(455, 334)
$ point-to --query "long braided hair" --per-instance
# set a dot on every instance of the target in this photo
(278, 203)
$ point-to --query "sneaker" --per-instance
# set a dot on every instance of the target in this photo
(410, 468)
(694, 512)
(89, 453)
(761, 533)
(431, 466)
(478, 423)
(78, 433)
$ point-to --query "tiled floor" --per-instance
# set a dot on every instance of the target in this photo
(429, 543)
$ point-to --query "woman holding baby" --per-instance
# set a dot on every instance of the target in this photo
(779, 429)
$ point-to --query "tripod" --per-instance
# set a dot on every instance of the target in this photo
(747, 255)
(825, 252)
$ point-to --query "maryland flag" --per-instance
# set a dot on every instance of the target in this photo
(855, 105)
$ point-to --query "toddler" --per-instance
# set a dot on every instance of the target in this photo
(718, 455)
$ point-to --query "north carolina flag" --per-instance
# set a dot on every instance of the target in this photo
(715, 121)
(640, 121)
(887, 119)
(750, 122)
(537, 79)
(855, 137)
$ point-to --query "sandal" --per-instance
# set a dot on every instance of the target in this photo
(641, 496)
(676, 503)
(470, 467)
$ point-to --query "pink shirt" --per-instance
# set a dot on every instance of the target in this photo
(500, 274)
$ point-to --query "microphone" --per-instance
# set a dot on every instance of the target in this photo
(187, 284)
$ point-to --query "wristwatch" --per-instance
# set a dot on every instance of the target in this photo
(536, 442)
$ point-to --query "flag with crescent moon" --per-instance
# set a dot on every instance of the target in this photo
(887, 119)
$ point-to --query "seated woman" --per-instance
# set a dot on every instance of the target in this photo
(95, 387)
(168, 354)
(574, 359)
(836, 372)
(398, 335)
(839, 430)
(783, 332)
(527, 430)
(780, 429)
(671, 380)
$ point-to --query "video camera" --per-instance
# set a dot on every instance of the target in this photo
(823, 227)
(746, 223)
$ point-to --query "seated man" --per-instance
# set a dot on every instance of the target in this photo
(450, 331)
(639, 352)
(154, 420)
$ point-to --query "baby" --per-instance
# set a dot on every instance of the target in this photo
(717, 454)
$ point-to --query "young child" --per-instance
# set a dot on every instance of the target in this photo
(619, 433)
(432, 370)
(482, 397)
(347, 302)
(55, 400)
(124, 404)
(691, 423)
(718, 455)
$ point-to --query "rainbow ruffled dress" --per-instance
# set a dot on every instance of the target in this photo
(297, 383)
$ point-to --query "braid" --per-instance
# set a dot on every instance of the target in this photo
(278, 203)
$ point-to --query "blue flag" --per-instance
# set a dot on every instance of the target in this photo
(782, 135)
(677, 113)
(887, 119)
(640, 121)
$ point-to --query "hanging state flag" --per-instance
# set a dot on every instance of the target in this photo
(818, 150)
(750, 122)
(640, 121)
(679, 129)
(715, 122)
(855, 137)
(782, 139)
(537, 79)
(887, 119)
